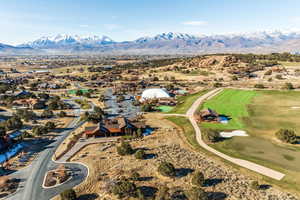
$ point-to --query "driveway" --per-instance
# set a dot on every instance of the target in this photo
(32, 176)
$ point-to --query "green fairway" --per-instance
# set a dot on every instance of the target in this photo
(185, 102)
(232, 103)
(261, 114)
(165, 108)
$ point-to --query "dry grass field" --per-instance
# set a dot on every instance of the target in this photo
(168, 143)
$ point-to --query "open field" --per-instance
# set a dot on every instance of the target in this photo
(185, 102)
(261, 114)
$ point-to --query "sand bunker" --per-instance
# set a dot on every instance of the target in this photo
(233, 133)
(295, 107)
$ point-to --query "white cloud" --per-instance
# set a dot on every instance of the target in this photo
(83, 25)
(194, 23)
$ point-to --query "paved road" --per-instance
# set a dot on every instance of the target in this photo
(243, 163)
(32, 176)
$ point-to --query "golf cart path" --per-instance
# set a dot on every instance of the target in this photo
(243, 163)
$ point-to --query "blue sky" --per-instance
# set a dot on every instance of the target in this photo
(24, 20)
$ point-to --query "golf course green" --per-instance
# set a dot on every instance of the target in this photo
(260, 114)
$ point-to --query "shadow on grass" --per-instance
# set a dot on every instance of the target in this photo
(212, 182)
(146, 178)
(92, 196)
(216, 195)
(148, 191)
(264, 187)
(181, 172)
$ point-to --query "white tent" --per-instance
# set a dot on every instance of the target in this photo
(154, 93)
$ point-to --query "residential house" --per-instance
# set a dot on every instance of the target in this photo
(113, 127)
(26, 103)
(207, 115)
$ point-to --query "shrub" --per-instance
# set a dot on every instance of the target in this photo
(278, 76)
(26, 114)
(196, 193)
(140, 154)
(124, 149)
(155, 78)
(79, 93)
(288, 86)
(234, 78)
(39, 105)
(255, 185)
(69, 194)
(139, 133)
(286, 135)
(198, 179)
(62, 114)
(135, 176)
(147, 108)
(211, 136)
(163, 193)
(259, 85)
(269, 72)
(217, 84)
(39, 130)
(50, 126)
(124, 188)
(47, 114)
(167, 169)
(14, 123)
(101, 98)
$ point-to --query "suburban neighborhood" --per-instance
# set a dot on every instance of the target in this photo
(150, 100)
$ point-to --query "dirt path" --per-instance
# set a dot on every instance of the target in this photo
(243, 163)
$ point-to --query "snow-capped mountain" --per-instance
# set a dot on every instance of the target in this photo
(168, 43)
(63, 40)
(167, 37)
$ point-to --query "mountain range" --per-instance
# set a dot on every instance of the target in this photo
(165, 43)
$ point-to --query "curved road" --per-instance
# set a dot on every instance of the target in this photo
(243, 163)
(32, 176)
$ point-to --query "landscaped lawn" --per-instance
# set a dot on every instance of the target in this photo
(165, 108)
(232, 103)
(185, 102)
(261, 114)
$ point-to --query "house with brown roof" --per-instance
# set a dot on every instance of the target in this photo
(28, 103)
(113, 127)
(207, 115)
